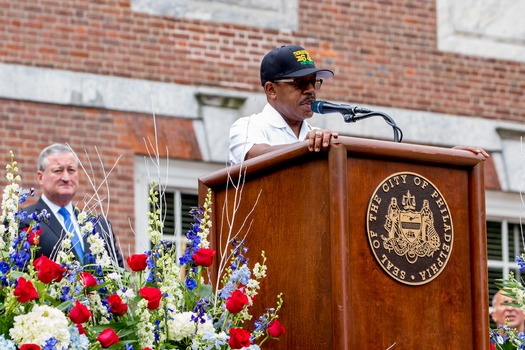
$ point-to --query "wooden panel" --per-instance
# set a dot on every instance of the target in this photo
(406, 315)
(290, 223)
(311, 219)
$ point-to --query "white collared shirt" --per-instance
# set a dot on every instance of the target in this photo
(267, 127)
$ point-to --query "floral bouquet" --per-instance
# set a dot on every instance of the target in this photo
(505, 337)
(158, 302)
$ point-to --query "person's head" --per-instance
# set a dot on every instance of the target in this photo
(290, 80)
(58, 173)
(502, 312)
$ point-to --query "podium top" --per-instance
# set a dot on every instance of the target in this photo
(352, 146)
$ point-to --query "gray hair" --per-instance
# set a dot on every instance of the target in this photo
(56, 148)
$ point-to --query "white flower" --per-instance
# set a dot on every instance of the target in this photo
(181, 326)
(128, 295)
(114, 276)
(40, 324)
(98, 249)
(145, 329)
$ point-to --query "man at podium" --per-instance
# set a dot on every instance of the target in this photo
(290, 80)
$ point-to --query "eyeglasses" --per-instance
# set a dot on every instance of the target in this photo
(302, 84)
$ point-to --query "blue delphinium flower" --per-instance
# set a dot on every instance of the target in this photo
(6, 344)
(521, 337)
(190, 283)
(260, 325)
(51, 344)
(199, 311)
(24, 194)
(227, 290)
(4, 267)
(241, 275)
(65, 293)
(521, 263)
(192, 236)
(77, 341)
(21, 251)
(496, 337)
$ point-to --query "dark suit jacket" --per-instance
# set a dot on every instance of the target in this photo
(53, 233)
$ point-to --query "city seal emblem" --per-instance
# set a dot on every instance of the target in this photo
(409, 228)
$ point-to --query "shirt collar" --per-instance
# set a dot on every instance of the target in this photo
(55, 208)
(275, 119)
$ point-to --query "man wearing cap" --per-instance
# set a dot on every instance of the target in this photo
(290, 80)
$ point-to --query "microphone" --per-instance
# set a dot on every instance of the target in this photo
(323, 107)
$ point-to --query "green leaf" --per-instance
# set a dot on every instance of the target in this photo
(206, 291)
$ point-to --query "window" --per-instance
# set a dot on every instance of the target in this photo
(180, 178)
(175, 211)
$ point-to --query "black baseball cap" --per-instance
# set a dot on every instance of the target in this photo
(290, 61)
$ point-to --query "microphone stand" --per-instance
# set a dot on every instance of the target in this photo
(354, 116)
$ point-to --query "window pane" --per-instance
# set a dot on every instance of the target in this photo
(169, 214)
(188, 201)
(515, 241)
(494, 247)
(494, 274)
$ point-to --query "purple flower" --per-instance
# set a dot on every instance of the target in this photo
(4, 267)
(199, 311)
(521, 263)
(190, 283)
(50, 344)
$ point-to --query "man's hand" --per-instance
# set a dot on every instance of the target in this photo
(319, 139)
(475, 150)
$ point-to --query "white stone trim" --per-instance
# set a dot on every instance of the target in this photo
(273, 14)
(491, 29)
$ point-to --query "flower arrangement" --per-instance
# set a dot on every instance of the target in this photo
(505, 337)
(158, 302)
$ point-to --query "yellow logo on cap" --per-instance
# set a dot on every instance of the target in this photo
(303, 57)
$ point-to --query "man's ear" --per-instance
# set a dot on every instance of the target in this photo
(39, 176)
(269, 89)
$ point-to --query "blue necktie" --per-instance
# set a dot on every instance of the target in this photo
(75, 241)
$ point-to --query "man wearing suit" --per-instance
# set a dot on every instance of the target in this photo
(58, 177)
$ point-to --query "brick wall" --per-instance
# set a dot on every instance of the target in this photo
(383, 52)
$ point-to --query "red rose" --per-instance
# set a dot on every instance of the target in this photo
(30, 347)
(33, 237)
(48, 270)
(203, 257)
(79, 313)
(236, 302)
(88, 280)
(25, 291)
(276, 329)
(116, 305)
(137, 262)
(107, 338)
(81, 329)
(239, 338)
(152, 295)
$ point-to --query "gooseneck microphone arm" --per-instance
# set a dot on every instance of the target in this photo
(353, 117)
(352, 114)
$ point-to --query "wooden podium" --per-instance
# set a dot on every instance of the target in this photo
(374, 244)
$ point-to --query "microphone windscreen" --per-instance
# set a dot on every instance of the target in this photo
(317, 106)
